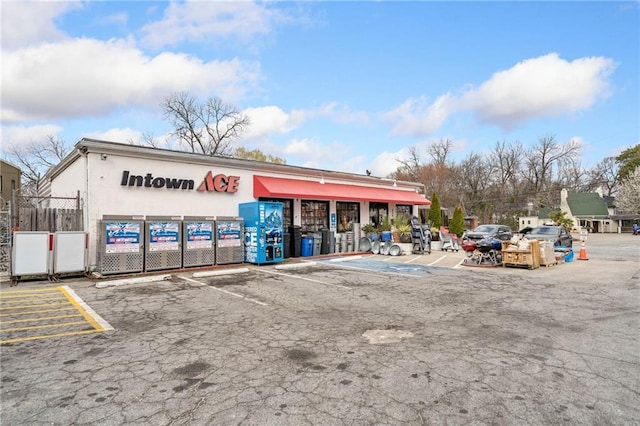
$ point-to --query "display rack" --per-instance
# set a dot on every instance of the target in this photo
(314, 216)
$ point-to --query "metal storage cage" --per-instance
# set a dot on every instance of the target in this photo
(229, 240)
(198, 241)
(120, 244)
(163, 248)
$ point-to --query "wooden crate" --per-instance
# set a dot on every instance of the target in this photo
(529, 258)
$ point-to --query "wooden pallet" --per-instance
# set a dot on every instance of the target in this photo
(550, 264)
(519, 265)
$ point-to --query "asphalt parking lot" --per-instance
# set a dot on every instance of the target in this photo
(384, 340)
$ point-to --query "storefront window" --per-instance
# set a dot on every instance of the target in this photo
(287, 210)
(378, 212)
(403, 210)
(315, 215)
(348, 214)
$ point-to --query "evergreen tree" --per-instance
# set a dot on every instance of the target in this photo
(435, 216)
(456, 226)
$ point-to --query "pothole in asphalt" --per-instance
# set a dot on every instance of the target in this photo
(380, 337)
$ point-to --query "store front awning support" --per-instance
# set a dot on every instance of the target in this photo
(272, 187)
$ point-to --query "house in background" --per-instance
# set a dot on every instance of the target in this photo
(10, 176)
(588, 210)
(533, 221)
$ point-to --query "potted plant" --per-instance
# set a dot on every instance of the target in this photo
(403, 228)
(385, 229)
(371, 232)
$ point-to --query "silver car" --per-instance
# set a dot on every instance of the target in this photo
(500, 232)
(557, 235)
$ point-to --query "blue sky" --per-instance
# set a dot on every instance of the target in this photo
(335, 85)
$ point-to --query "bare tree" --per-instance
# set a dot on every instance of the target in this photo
(440, 151)
(36, 158)
(571, 175)
(208, 128)
(604, 175)
(410, 168)
(148, 139)
(540, 163)
(505, 159)
(476, 175)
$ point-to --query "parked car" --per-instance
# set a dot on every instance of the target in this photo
(558, 235)
(501, 232)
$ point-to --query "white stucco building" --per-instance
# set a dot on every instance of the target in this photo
(136, 181)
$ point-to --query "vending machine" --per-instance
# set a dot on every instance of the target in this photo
(263, 232)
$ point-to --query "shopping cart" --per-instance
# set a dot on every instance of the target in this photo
(448, 241)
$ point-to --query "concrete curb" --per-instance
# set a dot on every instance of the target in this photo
(344, 259)
(220, 272)
(115, 283)
(296, 265)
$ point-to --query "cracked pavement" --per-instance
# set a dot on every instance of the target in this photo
(329, 345)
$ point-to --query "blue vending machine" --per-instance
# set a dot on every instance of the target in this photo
(263, 232)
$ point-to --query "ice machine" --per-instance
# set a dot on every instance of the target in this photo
(263, 232)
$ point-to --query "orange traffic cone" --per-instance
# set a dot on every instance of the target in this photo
(583, 252)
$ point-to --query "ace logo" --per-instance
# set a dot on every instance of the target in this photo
(219, 183)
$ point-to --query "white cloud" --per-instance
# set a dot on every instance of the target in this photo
(415, 117)
(312, 152)
(200, 21)
(269, 120)
(26, 135)
(547, 86)
(87, 77)
(122, 135)
(27, 23)
(386, 163)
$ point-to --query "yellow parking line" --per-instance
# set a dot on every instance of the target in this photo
(7, 302)
(47, 336)
(41, 319)
(84, 313)
(37, 290)
(72, 304)
(30, 306)
(39, 311)
(36, 327)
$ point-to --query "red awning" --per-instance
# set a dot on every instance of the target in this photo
(271, 187)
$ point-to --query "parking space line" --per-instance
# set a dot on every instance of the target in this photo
(48, 336)
(41, 319)
(305, 279)
(412, 260)
(89, 314)
(25, 318)
(37, 327)
(459, 264)
(10, 308)
(39, 311)
(437, 260)
(224, 291)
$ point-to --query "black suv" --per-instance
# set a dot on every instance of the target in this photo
(500, 232)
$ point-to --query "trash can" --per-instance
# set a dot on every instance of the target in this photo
(317, 243)
(325, 246)
(296, 238)
(287, 245)
(306, 248)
